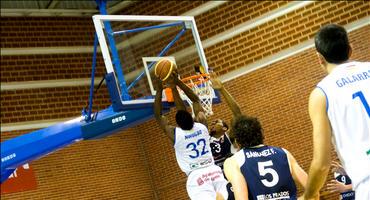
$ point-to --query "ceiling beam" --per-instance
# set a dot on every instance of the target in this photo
(48, 12)
(53, 4)
(51, 12)
(119, 6)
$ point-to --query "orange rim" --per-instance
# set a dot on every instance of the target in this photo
(196, 79)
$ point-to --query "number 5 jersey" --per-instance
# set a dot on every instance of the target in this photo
(267, 173)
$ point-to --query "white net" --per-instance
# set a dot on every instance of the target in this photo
(203, 88)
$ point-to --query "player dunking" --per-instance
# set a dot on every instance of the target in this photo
(191, 143)
(259, 171)
(339, 110)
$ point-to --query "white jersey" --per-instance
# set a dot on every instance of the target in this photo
(347, 90)
(192, 148)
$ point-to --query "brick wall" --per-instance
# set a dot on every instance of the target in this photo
(112, 168)
(24, 32)
(139, 163)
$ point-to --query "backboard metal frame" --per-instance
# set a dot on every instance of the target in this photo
(105, 42)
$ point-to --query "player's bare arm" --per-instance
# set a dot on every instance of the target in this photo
(299, 175)
(171, 83)
(217, 84)
(320, 164)
(236, 178)
(162, 120)
(336, 186)
(234, 107)
(199, 115)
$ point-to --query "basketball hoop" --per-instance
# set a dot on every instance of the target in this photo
(201, 86)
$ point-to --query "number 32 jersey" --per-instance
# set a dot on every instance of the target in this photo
(192, 148)
(267, 173)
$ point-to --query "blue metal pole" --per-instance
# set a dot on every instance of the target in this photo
(92, 79)
(159, 55)
(112, 45)
(147, 28)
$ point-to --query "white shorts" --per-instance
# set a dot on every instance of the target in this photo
(204, 183)
(362, 191)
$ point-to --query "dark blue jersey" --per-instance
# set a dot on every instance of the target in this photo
(350, 195)
(221, 149)
(267, 173)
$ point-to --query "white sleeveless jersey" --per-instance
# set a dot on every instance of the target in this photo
(347, 90)
(192, 148)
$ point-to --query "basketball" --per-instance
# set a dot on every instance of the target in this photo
(164, 68)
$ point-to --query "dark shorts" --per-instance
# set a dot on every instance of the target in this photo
(230, 191)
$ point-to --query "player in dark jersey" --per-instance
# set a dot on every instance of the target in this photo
(222, 141)
(342, 183)
(259, 171)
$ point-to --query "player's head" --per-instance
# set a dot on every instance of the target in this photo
(331, 41)
(217, 127)
(184, 120)
(247, 131)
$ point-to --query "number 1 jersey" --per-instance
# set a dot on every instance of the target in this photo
(267, 173)
(347, 90)
(192, 148)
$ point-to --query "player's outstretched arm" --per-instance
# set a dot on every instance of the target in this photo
(299, 175)
(180, 105)
(234, 107)
(162, 120)
(198, 111)
(190, 93)
(217, 85)
(320, 164)
(236, 178)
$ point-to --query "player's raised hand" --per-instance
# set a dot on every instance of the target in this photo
(216, 83)
(158, 83)
(336, 167)
(171, 81)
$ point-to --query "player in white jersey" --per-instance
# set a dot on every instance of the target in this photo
(339, 111)
(191, 143)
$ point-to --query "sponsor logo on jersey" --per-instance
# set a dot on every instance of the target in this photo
(274, 196)
(210, 176)
(200, 164)
(200, 181)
